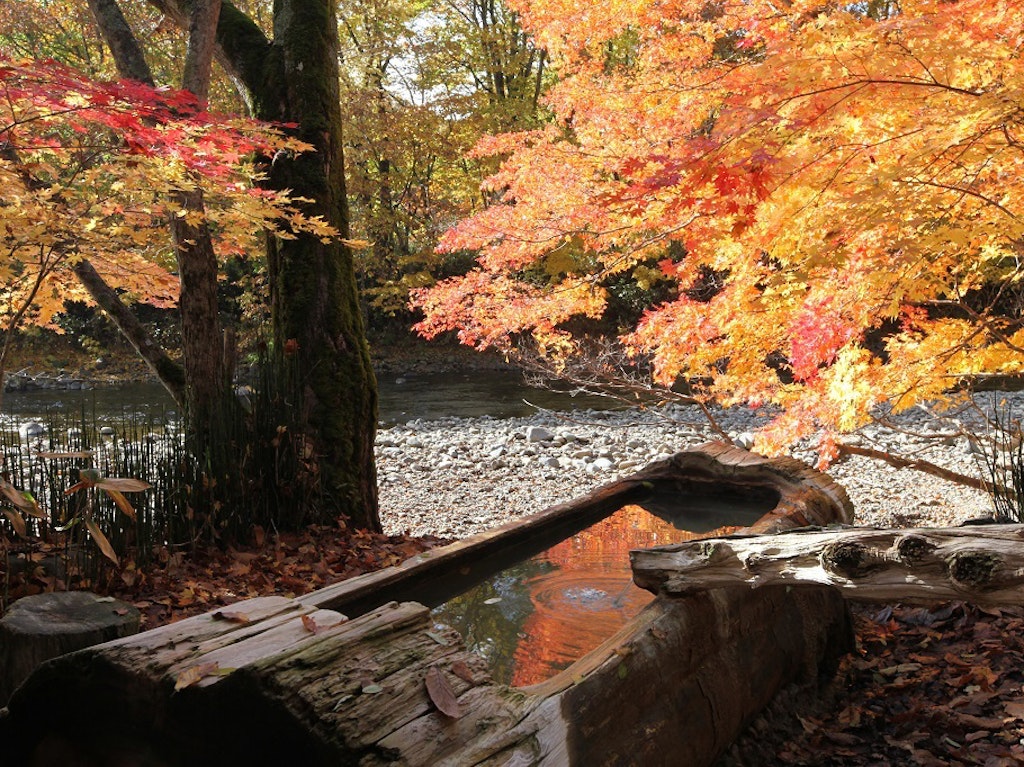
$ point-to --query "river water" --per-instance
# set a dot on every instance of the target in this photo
(499, 394)
(541, 614)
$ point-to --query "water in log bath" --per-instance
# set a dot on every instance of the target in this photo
(538, 616)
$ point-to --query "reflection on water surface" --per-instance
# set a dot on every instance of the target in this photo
(540, 615)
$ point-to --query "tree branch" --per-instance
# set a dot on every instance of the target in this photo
(918, 464)
(242, 49)
(202, 37)
(124, 46)
(167, 370)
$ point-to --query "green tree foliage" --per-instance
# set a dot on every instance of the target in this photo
(421, 83)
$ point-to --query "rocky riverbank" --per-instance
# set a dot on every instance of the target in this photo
(26, 380)
(454, 477)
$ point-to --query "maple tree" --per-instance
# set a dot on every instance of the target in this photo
(88, 169)
(827, 198)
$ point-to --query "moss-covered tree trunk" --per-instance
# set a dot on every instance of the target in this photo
(320, 350)
(318, 327)
(320, 361)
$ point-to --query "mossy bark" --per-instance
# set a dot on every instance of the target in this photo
(318, 324)
(320, 343)
(320, 354)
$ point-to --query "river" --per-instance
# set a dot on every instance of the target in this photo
(500, 394)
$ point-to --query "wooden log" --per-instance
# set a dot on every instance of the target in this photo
(281, 681)
(981, 564)
(43, 626)
(673, 687)
(801, 497)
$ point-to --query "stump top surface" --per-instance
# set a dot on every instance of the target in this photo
(67, 611)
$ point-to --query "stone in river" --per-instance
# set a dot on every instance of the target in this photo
(31, 430)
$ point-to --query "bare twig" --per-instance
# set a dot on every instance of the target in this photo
(920, 465)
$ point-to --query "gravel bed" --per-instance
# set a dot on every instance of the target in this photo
(455, 476)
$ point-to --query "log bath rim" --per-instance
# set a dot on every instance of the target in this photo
(294, 681)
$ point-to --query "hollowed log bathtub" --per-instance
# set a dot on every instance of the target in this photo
(360, 673)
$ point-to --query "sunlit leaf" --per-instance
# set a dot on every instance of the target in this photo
(101, 540)
(22, 499)
(68, 526)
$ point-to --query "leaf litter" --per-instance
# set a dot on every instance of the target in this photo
(177, 584)
(943, 686)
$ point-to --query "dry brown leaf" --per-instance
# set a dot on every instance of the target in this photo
(193, 674)
(233, 616)
(17, 522)
(462, 670)
(101, 541)
(309, 623)
(123, 484)
(441, 693)
(1015, 709)
(122, 502)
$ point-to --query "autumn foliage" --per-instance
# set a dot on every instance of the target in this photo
(830, 193)
(88, 170)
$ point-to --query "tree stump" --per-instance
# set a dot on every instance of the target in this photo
(37, 628)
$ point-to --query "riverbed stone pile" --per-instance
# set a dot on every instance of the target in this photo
(25, 380)
(457, 476)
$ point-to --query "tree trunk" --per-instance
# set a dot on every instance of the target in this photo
(321, 357)
(206, 390)
(981, 564)
(318, 325)
(209, 407)
(202, 341)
